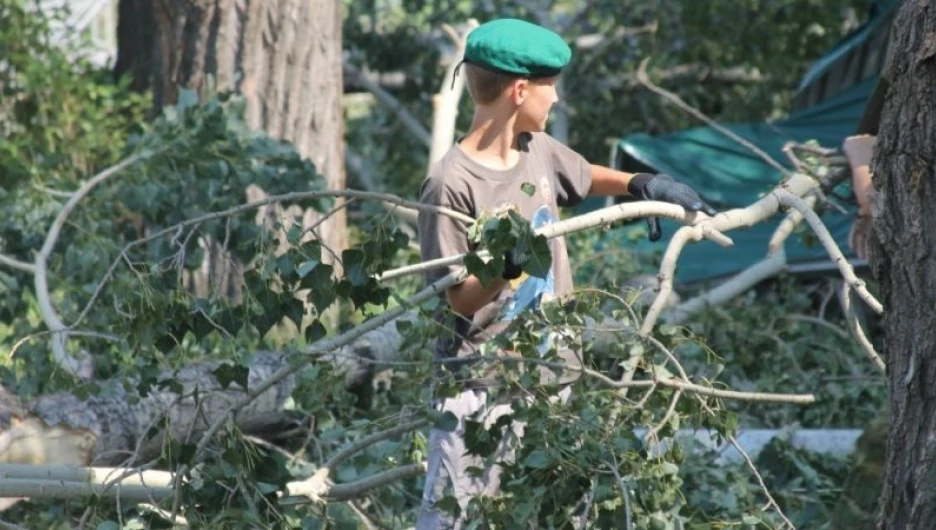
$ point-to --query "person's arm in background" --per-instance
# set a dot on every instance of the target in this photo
(858, 151)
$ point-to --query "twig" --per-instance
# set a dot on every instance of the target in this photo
(788, 199)
(78, 367)
(327, 345)
(589, 502)
(368, 441)
(670, 411)
(855, 327)
(628, 523)
(343, 492)
(645, 80)
(760, 481)
(786, 227)
(294, 196)
(17, 264)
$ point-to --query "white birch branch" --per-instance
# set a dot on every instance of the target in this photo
(80, 367)
(855, 327)
(730, 289)
(445, 102)
(848, 272)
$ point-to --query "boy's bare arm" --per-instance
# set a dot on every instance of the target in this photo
(608, 182)
(469, 296)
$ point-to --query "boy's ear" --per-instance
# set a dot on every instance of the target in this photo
(518, 90)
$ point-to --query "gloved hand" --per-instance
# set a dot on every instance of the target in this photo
(667, 189)
(512, 269)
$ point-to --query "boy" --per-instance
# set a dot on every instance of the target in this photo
(511, 68)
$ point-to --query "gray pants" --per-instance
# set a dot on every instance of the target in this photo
(448, 463)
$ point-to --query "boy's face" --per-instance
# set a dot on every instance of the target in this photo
(534, 99)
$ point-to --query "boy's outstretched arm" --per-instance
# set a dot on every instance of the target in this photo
(650, 187)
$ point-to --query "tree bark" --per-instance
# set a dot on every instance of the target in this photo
(121, 426)
(282, 56)
(903, 261)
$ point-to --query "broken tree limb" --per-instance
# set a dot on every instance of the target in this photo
(854, 325)
(730, 289)
(125, 426)
(80, 367)
(835, 253)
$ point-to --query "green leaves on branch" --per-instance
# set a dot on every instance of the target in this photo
(503, 232)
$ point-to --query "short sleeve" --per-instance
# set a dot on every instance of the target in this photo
(441, 236)
(572, 171)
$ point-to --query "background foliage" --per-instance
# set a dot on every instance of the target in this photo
(64, 121)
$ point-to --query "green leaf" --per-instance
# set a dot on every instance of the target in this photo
(447, 421)
(538, 459)
(231, 373)
(528, 188)
(314, 331)
(539, 260)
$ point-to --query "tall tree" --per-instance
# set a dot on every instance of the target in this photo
(284, 57)
(905, 265)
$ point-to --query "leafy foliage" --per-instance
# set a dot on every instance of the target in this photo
(124, 260)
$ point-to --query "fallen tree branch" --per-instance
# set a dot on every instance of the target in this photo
(80, 367)
(851, 318)
(272, 199)
(822, 233)
(601, 217)
(730, 289)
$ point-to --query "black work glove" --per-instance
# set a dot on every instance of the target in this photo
(667, 189)
(512, 269)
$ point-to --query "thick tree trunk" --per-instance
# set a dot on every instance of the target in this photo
(121, 426)
(283, 56)
(904, 263)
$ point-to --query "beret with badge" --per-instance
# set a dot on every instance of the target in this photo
(516, 47)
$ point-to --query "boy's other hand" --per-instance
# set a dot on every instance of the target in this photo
(512, 269)
(667, 189)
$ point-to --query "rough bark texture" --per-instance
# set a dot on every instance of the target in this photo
(904, 263)
(283, 56)
(119, 426)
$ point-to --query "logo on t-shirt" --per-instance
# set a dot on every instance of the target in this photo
(529, 290)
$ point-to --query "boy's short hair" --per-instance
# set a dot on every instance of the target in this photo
(484, 85)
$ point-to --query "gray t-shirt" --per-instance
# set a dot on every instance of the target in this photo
(561, 178)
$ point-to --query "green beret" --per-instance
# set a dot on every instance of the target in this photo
(517, 47)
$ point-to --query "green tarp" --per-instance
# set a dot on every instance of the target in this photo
(729, 175)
